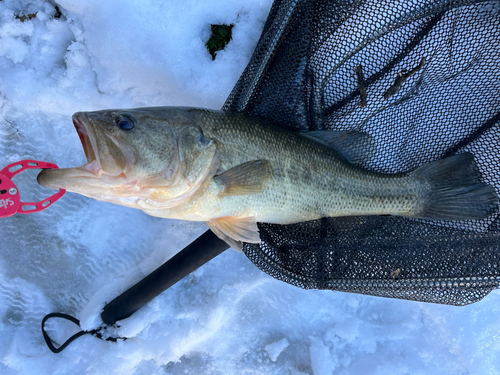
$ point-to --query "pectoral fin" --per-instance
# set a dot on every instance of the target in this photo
(235, 230)
(355, 147)
(251, 177)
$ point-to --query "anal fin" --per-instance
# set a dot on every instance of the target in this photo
(235, 230)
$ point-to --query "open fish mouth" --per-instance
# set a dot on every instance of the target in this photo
(108, 161)
(105, 154)
(89, 145)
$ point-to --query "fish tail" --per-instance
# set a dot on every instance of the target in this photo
(456, 192)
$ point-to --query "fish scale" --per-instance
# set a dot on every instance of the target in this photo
(331, 188)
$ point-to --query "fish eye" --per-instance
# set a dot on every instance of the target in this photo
(125, 121)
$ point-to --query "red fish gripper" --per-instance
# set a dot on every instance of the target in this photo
(10, 200)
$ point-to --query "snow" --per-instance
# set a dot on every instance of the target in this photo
(227, 317)
(275, 349)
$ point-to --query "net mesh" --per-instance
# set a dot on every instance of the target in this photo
(423, 79)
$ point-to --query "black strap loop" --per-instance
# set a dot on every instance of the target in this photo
(95, 332)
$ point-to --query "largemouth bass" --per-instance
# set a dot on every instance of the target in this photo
(232, 171)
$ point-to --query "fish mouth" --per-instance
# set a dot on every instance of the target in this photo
(105, 154)
(108, 161)
(89, 144)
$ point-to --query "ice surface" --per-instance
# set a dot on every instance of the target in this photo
(275, 349)
(225, 318)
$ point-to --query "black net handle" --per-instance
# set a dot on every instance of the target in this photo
(197, 253)
(193, 256)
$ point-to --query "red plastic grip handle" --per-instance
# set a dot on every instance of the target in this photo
(10, 201)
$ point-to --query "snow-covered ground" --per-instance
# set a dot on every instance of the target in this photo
(227, 317)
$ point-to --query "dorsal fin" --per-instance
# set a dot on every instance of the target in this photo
(355, 147)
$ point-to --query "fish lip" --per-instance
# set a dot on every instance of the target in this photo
(87, 138)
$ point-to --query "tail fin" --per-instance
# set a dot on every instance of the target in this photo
(455, 191)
